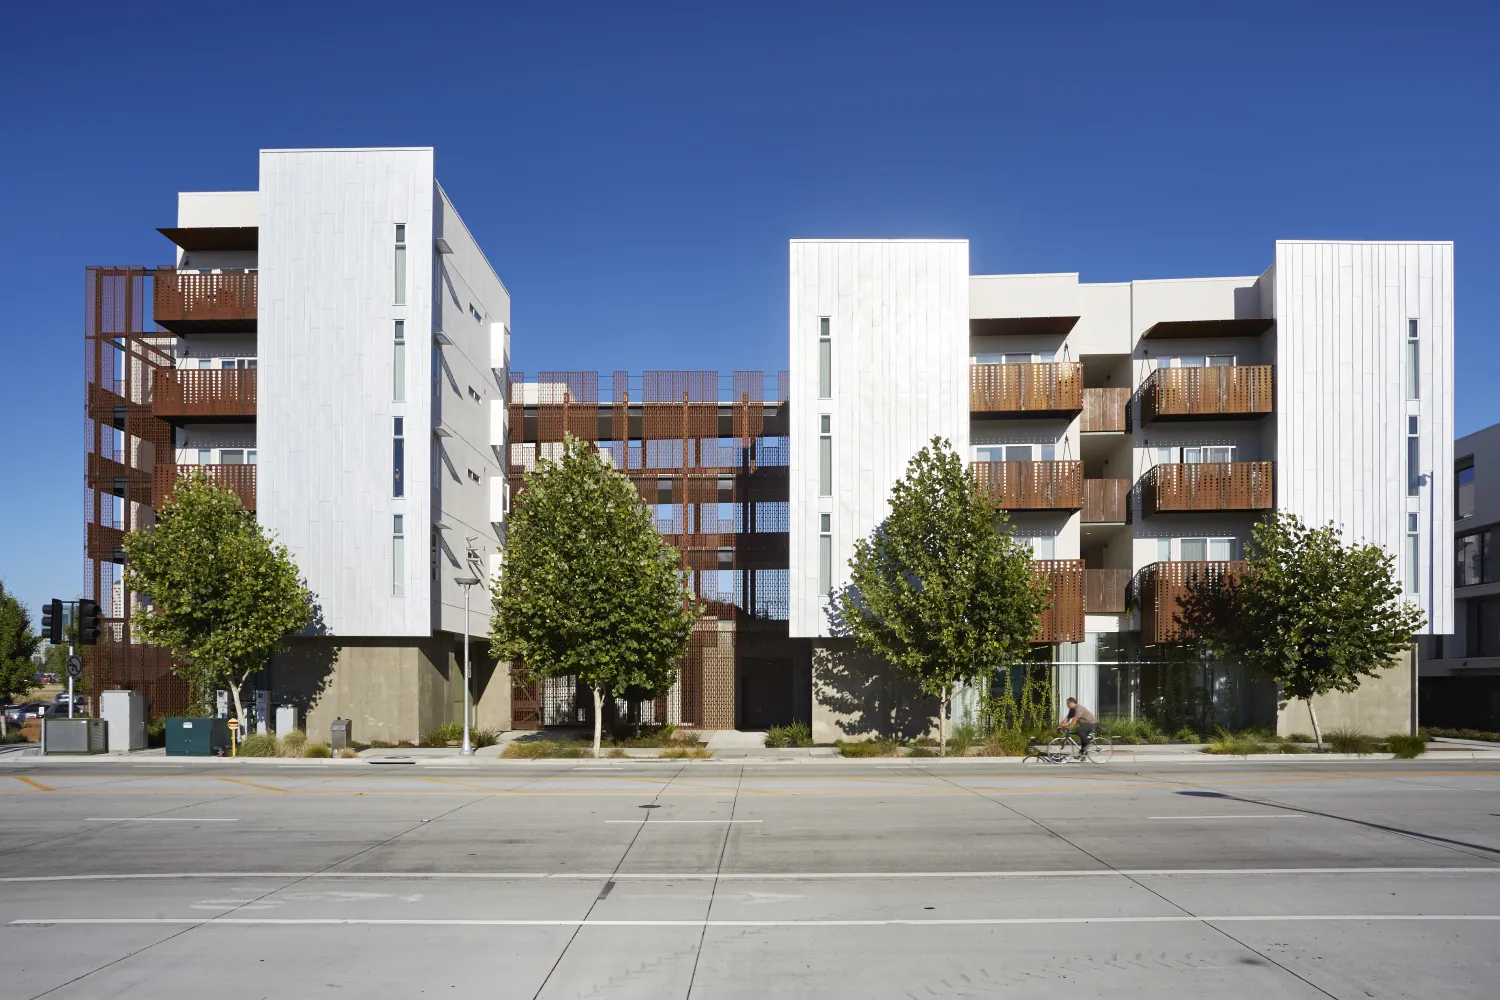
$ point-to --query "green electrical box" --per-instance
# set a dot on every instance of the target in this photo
(197, 737)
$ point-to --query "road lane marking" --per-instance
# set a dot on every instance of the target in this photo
(654, 822)
(161, 819)
(34, 784)
(764, 876)
(888, 922)
(1238, 816)
(251, 784)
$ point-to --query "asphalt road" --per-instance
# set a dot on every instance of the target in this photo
(750, 879)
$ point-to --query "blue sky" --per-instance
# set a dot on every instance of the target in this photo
(634, 171)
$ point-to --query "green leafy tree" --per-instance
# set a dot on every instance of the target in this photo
(1313, 613)
(941, 589)
(216, 591)
(589, 587)
(17, 644)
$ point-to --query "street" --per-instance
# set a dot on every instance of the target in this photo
(748, 878)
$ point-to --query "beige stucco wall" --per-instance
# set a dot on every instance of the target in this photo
(1382, 705)
(857, 696)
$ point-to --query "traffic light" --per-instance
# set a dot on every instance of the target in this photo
(88, 622)
(52, 621)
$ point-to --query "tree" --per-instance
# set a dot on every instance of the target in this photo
(1309, 611)
(17, 644)
(941, 589)
(215, 591)
(589, 587)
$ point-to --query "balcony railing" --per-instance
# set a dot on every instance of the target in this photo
(1165, 584)
(239, 478)
(1209, 486)
(1104, 591)
(188, 302)
(1056, 485)
(1023, 389)
(1106, 501)
(203, 392)
(1063, 621)
(1219, 393)
(1106, 410)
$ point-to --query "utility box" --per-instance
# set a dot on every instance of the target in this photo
(77, 736)
(197, 737)
(339, 734)
(125, 712)
(286, 719)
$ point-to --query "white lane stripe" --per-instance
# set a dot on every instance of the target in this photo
(654, 822)
(1238, 816)
(760, 877)
(162, 819)
(892, 922)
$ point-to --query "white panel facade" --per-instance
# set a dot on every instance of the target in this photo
(1342, 313)
(898, 314)
(326, 406)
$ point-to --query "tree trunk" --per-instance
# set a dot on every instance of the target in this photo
(598, 718)
(3, 731)
(239, 708)
(1317, 733)
(943, 720)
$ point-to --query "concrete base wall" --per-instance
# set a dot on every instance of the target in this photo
(1383, 705)
(389, 689)
(856, 696)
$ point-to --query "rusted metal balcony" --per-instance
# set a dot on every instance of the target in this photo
(1208, 486)
(1163, 586)
(189, 302)
(1106, 411)
(1228, 392)
(221, 393)
(239, 478)
(1106, 501)
(1053, 485)
(1026, 390)
(1104, 591)
(1063, 621)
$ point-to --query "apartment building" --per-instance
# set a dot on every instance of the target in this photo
(1134, 432)
(1460, 671)
(329, 346)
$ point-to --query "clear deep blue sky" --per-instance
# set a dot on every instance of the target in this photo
(634, 171)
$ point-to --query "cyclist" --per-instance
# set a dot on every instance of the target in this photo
(1084, 721)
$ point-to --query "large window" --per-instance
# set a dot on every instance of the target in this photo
(1017, 453)
(1484, 626)
(1212, 453)
(825, 360)
(1476, 560)
(1206, 549)
(1413, 456)
(1413, 363)
(398, 458)
(825, 456)
(825, 553)
(398, 363)
(400, 298)
(1463, 491)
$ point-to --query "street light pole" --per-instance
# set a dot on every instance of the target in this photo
(466, 582)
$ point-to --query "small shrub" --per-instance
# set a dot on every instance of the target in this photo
(922, 751)
(1300, 738)
(1006, 743)
(962, 738)
(675, 753)
(321, 750)
(1483, 735)
(529, 749)
(667, 735)
(292, 744)
(869, 748)
(1236, 744)
(924, 741)
(798, 734)
(259, 745)
(1186, 735)
(1288, 745)
(381, 745)
(452, 734)
(617, 752)
(1405, 746)
(349, 753)
(1351, 741)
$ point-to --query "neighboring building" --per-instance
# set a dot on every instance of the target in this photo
(1460, 672)
(329, 346)
(1135, 431)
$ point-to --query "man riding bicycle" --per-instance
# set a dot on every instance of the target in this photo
(1083, 721)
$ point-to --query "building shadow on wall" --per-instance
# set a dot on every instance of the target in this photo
(303, 668)
(865, 695)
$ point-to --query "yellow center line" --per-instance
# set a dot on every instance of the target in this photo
(34, 784)
(251, 784)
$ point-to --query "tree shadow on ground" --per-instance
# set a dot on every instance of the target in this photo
(866, 695)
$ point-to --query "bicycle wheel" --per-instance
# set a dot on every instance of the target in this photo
(1059, 749)
(1101, 750)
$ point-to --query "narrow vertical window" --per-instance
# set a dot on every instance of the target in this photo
(398, 556)
(1413, 457)
(825, 553)
(398, 459)
(398, 362)
(1164, 550)
(825, 360)
(400, 298)
(825, 456)
(1413, 365)
(1413, 556)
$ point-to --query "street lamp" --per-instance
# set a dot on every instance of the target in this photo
(466, 582)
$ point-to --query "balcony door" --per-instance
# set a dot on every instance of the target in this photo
(1016, 358)
(1207, 549)
(1208, 453)
(1202, 361)
(1017, 453)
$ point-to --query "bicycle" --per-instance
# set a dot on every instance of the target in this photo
(1066, 747)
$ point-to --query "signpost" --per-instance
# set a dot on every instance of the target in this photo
(75, 671)
(234, 744)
